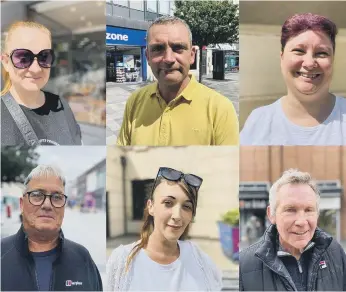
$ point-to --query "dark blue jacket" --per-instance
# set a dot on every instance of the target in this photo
(73, 269)
(262, 270)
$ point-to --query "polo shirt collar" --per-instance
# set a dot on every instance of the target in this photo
(187, 93)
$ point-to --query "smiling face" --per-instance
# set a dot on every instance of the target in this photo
(33, 78)
(307, 64)
(296, 215)
(169, 53)
(44, 218)
(172, 210)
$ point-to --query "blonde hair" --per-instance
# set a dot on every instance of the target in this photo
(148, 225)
(12, 28)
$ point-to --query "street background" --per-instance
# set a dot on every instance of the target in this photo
(84, 169)
(214, 28)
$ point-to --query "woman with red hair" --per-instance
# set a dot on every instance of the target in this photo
(309, 114)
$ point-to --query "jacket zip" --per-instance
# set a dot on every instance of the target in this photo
(293, 287)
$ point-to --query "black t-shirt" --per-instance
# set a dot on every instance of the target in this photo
(53, 123)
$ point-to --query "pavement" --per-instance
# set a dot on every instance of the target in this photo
(230, 270)
(87, 229)
(118, 93)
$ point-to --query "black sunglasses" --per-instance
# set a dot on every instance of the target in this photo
(23, 58)
(171, 174)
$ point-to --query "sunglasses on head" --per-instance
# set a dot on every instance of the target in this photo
(23, 58)
(171, 174)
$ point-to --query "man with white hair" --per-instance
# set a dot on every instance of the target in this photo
(176, 110)
(293, 254)
(38, 257)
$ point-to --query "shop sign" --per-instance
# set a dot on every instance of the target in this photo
(253, 204)
(116, 36)
(125, 36)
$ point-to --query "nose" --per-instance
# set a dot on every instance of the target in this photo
(300, 219)
(35, 67)
(176, 213)
(168, 56)
(47, 204)
(309, 61)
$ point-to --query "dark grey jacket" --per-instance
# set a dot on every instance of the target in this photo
(262, 270)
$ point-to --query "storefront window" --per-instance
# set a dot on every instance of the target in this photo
(138, 5)
(121, 2)
(164, 7)
(328, 221)
(79, 75)
(152, 6)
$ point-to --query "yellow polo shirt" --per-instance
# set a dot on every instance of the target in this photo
(198, 116)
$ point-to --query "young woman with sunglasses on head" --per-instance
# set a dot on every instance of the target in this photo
(28, 114)
(163, 260)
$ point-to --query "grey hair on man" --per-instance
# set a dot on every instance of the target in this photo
(168, 19)
(292, 176)
(44, 171)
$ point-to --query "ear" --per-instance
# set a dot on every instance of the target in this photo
(146, 53)
(4, 61)
(270, 216)
(193, 54)
(21, 203)
(150, 206)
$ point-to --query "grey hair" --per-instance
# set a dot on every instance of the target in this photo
(168, 19)
(292, 176)
(44, 171)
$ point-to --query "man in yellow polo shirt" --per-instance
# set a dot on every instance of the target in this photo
(176, 110)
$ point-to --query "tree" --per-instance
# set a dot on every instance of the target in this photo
(17, 162)
(211, 22)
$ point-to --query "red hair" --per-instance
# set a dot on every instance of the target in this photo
(299, 23)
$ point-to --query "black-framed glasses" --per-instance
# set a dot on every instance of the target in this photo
(23, 58)
(171, 174)
(37, 198)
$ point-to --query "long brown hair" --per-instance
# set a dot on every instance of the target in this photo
(148, 225)
(18, 24)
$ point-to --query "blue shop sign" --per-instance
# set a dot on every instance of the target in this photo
(125, 36)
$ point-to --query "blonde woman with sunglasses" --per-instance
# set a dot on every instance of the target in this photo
(163, 260)
(30, 115)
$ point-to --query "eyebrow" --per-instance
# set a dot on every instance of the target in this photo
(171, 44)
(43, 190)
(174, 198)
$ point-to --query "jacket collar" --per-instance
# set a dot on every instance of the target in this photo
(21, 242)
(267, 251)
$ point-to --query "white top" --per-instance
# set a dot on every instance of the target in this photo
(268, 125)
(192, 271)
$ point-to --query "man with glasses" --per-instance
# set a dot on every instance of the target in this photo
(38, 257)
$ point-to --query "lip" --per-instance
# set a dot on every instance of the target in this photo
(46, 216)
(300, 233)
(33, 78)
(174, 227)
(309, 76)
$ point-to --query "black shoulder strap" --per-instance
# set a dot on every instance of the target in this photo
(21, 120)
